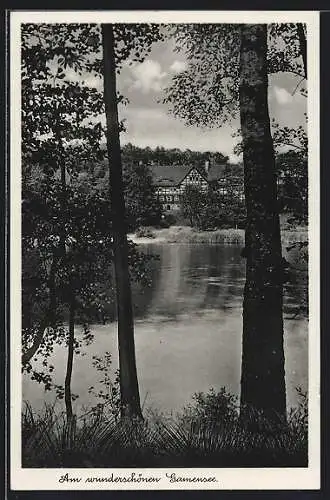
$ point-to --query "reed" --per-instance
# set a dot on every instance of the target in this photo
(207, 433)
(188, 235)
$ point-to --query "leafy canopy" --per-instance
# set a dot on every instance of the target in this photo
(206, 93)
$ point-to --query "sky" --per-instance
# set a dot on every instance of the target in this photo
(149, 123)
(147, 119)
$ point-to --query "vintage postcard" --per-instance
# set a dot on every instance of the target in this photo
(164, 256)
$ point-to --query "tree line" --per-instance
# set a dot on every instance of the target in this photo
(170, 156)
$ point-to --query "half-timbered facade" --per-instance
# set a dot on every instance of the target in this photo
(170, 182)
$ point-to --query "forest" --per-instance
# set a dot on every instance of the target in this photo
(80, 199)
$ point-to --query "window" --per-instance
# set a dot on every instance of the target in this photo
(161, 198)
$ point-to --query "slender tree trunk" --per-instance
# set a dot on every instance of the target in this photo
(69, 365)
(303, 46)
(63, 190)
(69, 292)
(262, 379)
(130, 399)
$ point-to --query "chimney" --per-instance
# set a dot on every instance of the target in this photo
(207, 166)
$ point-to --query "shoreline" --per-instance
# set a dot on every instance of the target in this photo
(189, 235)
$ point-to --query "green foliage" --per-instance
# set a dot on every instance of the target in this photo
(292, 171)
(145, 232)
(142, 205)
(206, 93)
(109, 395)
(211, 408)
(169, 219)
(84, 270)
(166, 156)
(216, 237)
(294, 138)
(285, 51)
(58, 106)
(212, 209)
(58, 137)
(192, 203)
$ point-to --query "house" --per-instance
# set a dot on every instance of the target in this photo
(227, 180)
(171, 180)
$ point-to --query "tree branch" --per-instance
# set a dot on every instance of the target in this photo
(28, 355)
(296, 87)
(281, 143)
(47, 320)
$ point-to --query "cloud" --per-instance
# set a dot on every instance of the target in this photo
(148, 76)
(287, 109)
(154, 127)
(178, 66)
(282, 95)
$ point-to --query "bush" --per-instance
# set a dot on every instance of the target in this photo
(219, 236)
(169, 219)
(212, 407)
(144, 232)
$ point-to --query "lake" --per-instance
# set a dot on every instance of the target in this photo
(188, 331)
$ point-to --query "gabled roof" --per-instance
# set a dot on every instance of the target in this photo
(169, 175)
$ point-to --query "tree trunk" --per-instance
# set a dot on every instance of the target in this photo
(303, 46)
(263, 378)
(129, 389)
(68, 376)
(62, 250)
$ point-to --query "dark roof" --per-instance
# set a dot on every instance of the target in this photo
(172, 175)
(169, 175)
(215, 172)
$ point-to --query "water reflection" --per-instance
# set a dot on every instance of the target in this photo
(188, 330)
(190, 279)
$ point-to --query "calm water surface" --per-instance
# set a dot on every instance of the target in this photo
(188, 331)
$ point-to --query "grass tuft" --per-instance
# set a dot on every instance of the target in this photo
(209, 432)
